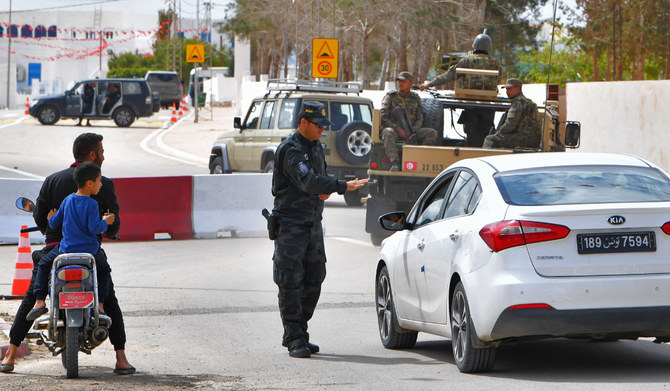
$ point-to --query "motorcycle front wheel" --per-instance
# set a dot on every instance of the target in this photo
(71, 352)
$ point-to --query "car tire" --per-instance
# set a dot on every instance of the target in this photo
(353, 142)
(354, 197)
(123, 117)
(468, 358)
(392, 336)
(217, 166)
(269, 166)
(433, 115)
(48, 115)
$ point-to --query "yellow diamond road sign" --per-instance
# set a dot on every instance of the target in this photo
(195, 52)
(324, 57)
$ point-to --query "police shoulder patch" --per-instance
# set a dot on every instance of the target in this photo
(303, 167)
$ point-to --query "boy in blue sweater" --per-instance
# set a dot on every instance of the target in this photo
(79, 215)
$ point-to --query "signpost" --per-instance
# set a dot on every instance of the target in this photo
(324, 58)
(195, 53)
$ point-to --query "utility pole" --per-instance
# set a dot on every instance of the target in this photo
(9, 51)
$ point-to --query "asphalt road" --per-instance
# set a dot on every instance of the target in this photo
(202, 314)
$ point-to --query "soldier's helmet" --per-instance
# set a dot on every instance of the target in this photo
(483, 42)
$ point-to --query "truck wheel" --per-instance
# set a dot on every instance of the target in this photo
(123, 117)
(353, 198)
(433, 115)
(217, 166)
(48, 115)
(270, 167)
(353, 142)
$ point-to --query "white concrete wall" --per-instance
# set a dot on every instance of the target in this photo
(11, 218)
(629, 117)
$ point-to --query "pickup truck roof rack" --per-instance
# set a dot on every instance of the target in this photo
(293, 85)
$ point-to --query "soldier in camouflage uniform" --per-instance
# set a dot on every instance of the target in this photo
(522, 126)
(476, 122)
(392, 132)
(300, 185)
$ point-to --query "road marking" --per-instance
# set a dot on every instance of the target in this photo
(350, 240)
(104, 122)
(14, 122)
(14, 170)
(171, 153)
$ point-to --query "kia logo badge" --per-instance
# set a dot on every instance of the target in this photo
(616, 220)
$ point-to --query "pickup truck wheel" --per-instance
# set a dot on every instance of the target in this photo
(48, 115)
(353, 198)
(353, 142)
(123, 117)
(433, 115)
(217, 166)
(270, 167)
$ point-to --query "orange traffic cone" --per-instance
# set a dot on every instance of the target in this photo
(174, 113)
(27, 106)
(183, 103)
(24, 265)
(180, 112)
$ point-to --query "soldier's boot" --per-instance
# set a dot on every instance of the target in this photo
(313, 348)
(299, 349)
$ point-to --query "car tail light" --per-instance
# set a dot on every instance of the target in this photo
(511, 233)
(666, 228)
(529, 306)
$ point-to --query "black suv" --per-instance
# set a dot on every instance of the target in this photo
(122, 100)
(168, 85)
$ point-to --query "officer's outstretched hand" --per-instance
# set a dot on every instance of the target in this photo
(324, 196)
(423, 86)
(356, 183)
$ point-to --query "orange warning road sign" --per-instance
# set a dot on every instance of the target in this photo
(324, 57)
(195, 52)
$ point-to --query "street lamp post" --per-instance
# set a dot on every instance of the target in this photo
(9, 51)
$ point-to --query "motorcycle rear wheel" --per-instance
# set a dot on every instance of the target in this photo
(71, 352)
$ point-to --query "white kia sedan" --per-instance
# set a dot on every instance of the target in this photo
(533, 245)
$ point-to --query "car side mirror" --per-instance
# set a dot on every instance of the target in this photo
(572, 131)
(237, 123)
(394, 221)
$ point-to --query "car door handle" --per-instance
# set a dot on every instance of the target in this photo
(421, 246)
(455, 235)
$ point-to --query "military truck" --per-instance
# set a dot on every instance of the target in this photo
(398, 190)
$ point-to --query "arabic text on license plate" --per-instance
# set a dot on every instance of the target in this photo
(616, 242)
(76, 299)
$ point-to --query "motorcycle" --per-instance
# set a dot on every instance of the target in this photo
(73, 323)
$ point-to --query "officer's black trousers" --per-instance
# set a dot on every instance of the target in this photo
(299, 270)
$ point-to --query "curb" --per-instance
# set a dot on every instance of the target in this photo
(23, 348)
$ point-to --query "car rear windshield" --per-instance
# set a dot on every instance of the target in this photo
(583, 185)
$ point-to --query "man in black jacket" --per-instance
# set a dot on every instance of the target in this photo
(87, 148)
(300, 185)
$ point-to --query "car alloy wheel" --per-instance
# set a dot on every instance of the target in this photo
(48, 115)
(123, 117)
(359, 143)
(389, 331)
(468, 358)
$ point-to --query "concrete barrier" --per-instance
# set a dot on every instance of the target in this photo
(230, 205)
(150, 207)
(11, 218)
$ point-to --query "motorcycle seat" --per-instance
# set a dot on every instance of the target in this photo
(74, 259)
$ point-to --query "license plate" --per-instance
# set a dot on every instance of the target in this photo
(76, 299)
(616, 242)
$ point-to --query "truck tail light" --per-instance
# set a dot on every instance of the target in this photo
(511, 233)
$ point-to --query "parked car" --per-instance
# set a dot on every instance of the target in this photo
(168, 85)
(122, 100)
(512, 247)
(274, 116)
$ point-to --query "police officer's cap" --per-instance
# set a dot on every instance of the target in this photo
(405, 76)
(513, 83)
(315, 112)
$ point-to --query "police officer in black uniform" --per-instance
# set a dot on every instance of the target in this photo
(300, 185)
